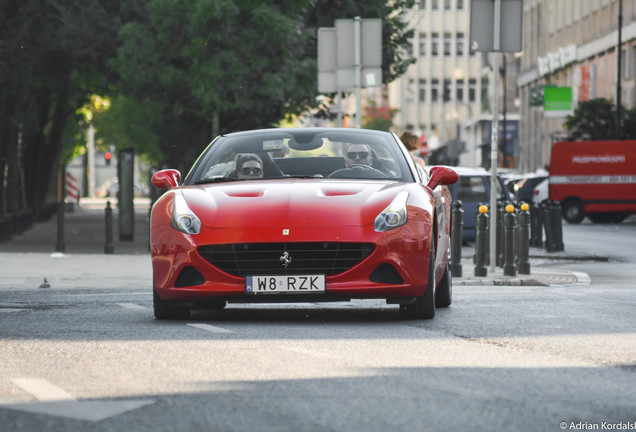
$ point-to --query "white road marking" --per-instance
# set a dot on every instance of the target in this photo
(54, 401)
(131, 306)
(582, 278)
(42, 390)
(310, 353)
(210, 328)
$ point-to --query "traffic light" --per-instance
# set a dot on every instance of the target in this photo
(108, 156)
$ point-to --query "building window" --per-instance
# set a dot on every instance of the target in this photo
(422, 90)
(423, 44)
(459, 90)
(434, 44)
(447, 90)
(484, 89)
(447, 4)
(422, 4)
(472, 89)
(434, 4)
(460, 4)
(434, 90)
(410, 91)
(409, 50)
(459, 45)
(448, 42)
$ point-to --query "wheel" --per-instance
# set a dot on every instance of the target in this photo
(165, 310)
(444, 291)
(216, 305)
(601, 218)
(424, 306)
(573, 211)
(607, 218)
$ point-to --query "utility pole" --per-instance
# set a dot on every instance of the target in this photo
(494, 144)
(619, 90)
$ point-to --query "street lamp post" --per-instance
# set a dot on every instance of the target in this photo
(619, 89)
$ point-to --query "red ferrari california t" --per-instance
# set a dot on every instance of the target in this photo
(302, 215)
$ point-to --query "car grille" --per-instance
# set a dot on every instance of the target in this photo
(244, 259)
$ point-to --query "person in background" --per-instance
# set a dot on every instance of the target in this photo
(411, 142)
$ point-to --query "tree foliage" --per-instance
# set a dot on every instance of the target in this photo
(51, 58)
(596, 120)
(176, 72)
(213, 66)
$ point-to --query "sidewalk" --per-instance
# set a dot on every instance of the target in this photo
(85, 231)
(85, 236)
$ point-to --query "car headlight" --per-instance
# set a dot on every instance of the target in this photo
(183, 219)
(394, 215)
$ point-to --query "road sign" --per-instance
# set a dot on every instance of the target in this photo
(337, 55)
(557, 102)
(483, 28)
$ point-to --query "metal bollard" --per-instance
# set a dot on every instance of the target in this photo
(557, 220)
(548, 224)
(108, 246)
(536, 227)
(457, 239)
(523, 246)
(510, 222)
(499, 249)
(481, 242)
(59, 244)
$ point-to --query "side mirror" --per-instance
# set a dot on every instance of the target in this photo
(442, 175)
(166, 179)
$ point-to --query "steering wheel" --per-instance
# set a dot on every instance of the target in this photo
(358, 171)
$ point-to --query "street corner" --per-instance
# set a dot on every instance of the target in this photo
(537, 277)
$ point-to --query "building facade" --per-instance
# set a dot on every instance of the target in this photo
(446, 94)
(571, 43)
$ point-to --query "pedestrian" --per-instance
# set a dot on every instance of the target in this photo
(411, 142)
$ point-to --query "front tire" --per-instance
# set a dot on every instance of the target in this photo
(424, 306)
(444, 292)
(165, 310)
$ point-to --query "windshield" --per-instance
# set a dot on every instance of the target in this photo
(313, 152)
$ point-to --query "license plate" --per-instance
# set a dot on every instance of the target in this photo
(285, 284)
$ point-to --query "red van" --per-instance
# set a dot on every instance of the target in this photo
(596, 179)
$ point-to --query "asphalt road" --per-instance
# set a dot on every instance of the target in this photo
(86, 354)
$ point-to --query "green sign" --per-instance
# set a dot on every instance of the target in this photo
(536, 95)
(557, 101)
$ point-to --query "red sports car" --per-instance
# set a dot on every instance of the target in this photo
(302, 215)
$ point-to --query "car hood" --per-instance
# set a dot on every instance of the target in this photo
(291, 202)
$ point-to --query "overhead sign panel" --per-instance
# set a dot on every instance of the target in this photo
(327, 60)
(336, 55)
(371, 42)
(482, 25)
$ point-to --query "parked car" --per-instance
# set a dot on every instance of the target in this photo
(473, 189)
(541, 192)
(523, 189)
(302, 214)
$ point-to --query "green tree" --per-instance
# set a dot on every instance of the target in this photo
(596, 120)
(177, 73)
(212, 66)
(52, 56)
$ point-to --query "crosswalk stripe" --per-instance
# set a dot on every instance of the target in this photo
(42, 390)
(210, 328)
